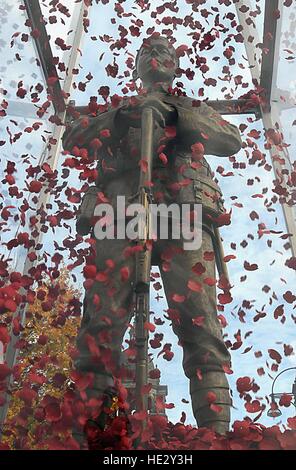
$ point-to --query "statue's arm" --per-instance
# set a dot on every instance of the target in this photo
(203, 124)
(82, 131)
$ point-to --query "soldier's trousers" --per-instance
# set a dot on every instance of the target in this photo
(108, 308)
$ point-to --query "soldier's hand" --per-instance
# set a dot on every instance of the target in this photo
(163, 113)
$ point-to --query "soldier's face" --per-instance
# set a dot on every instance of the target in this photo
(156, 62)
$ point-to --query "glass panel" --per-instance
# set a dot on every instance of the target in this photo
(255, 14)
(58, 17)
(21, 77)
(285, 65)
(284, 84)
(256, 237)
(61, 25)
(24, 130)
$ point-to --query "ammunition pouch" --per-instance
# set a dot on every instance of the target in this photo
(200, 189)
(86, 211)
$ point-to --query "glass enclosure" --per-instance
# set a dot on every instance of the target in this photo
(215, 51)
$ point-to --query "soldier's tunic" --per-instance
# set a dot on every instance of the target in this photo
(204, 350)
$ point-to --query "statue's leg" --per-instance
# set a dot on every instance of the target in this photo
(107, 313)
(204, 351)
(108, 301)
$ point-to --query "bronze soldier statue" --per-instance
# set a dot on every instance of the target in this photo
(183, 128)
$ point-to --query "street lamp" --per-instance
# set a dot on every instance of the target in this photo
(274, 411)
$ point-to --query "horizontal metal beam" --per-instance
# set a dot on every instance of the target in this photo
(241, 106)
(44, 52)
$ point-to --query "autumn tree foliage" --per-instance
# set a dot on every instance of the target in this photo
(41, 376)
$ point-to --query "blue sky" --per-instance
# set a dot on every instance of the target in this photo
(266, 333)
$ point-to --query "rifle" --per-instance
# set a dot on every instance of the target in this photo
(143, 260)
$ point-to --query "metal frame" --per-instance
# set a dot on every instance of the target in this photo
(44, 52)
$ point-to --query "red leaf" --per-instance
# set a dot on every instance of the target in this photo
(90, 271)
(285, 400)
(279, 311)
(27, 395)
(183, 417)
(105, 133)
(253, 407)
(143, 164)
(170, 132)
(227, 369)
(154, 374)
(198, 151)
(154, 64)
(35, 186)
(288, 350)
(53, 412)
(194, 286)
(244, 384)
(42, 340)
(228, 258)
(124, 273)
(52, 80)
(199, 374)
(198, 269)
(156, 341)
(146, 389)
(289, 297)
(5, 371)
(250, 267)
(268, 443)
(292, 422)
(222, 321)
(223, 219)
(291, 263)
(198, 321)
(211, 397)
(180, 51)
(209, 281)
(273, 354)
(209, 255)
(168, 355)
(254, 134)
(163, 158)
(225, 298)
(149, 326)
(216, 408)
(178, 298)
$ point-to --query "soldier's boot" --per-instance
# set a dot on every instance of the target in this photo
(217, 417)
(103, 388)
